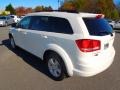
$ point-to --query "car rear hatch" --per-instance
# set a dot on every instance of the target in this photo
(101, 35)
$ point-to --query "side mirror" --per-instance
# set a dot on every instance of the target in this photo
(13, 25)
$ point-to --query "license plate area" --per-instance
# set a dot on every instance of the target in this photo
(106, 46)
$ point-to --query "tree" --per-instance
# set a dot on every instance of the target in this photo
(39, 8)
(29, 10)
(107, 7)
(79, 5)
(20, 11)
(89, 6)
(115, 14)
(10, 8)
(49, 8)
(93, 6)
(42, 8)
(68, 5)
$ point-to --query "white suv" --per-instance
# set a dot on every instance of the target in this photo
(111, 22)
(16, 18)
(70, 43)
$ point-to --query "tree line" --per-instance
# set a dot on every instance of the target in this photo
(23, 10)
(93, 6)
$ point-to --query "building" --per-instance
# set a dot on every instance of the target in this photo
(5, 12)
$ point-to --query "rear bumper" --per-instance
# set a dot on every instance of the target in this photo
(94, 65)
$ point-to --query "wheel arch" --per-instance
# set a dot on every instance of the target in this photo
(63, 54)
(10, 35)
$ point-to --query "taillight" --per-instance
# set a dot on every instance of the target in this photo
(88, 45)
(100, 16)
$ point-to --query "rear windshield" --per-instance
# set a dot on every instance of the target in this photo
(98, 27)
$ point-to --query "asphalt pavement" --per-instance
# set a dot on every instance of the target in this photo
(20, 70)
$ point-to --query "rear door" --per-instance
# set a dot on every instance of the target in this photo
(99, 29)
(37, 37)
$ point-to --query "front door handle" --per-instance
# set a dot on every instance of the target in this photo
(44, 36)
(24, 32)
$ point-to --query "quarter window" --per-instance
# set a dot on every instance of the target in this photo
(61, 25)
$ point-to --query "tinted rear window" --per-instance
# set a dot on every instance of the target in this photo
(98, 27)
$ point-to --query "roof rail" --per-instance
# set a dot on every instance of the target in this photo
(69, 11)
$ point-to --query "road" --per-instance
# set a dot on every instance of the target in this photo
(20, 70)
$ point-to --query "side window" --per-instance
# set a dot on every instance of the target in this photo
(51, 24)
(40, 23)
(7, 18)
(24, 23)
(61, 25)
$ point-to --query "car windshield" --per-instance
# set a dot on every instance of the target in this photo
(98, 27)
(2, 17)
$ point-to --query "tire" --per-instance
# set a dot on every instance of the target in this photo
(12, 42)
(55, 66)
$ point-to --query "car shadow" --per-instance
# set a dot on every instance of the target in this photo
(30, 59)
